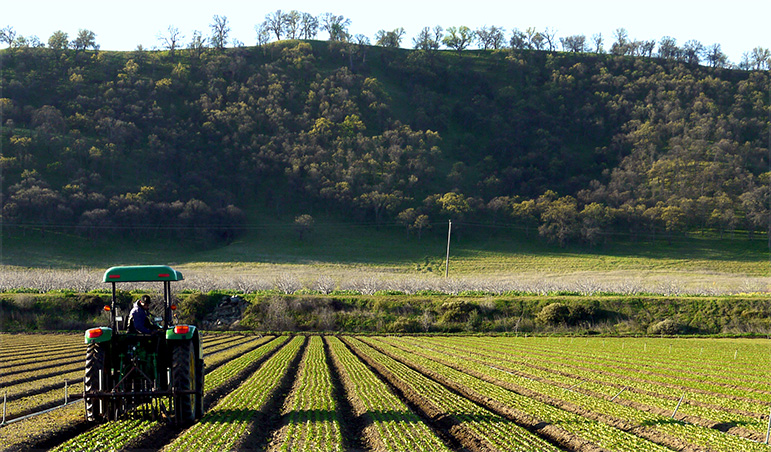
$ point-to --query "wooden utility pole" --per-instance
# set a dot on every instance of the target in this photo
(447, 260)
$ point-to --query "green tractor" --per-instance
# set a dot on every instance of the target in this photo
(158, 375)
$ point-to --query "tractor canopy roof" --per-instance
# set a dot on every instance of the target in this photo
(137, 273)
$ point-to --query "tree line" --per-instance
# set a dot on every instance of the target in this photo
(293, 24)
(570, 146)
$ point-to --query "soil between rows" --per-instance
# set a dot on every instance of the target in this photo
(151, 441)
(704, 422)
(447, 425)
(641, 431)
(269, 419)
(357, 429)
(682, 374)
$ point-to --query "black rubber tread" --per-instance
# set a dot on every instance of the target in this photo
(183, 378)
(199, 385)
(95, 362)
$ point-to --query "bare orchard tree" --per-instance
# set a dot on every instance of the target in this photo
(171, 40)
(220, 30)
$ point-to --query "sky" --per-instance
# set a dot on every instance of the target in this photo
(738, 25)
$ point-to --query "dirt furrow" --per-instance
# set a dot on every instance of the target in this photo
(496, 406)
(451, 426)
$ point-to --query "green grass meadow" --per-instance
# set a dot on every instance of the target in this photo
(481, 251)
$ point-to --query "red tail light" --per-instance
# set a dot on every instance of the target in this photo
(94, 333)
(181, 329)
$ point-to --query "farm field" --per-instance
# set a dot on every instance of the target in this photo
(432, 393)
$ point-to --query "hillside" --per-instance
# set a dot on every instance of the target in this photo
(581, 148)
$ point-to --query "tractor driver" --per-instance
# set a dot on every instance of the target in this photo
(139, 317)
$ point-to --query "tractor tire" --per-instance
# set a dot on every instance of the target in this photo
(183, 374)
(95, 380)
(199, 384)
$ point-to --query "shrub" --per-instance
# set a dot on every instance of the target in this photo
(474, 321)
(554, 314)
(404, 325)
(194, 308)
(666, 326)
(580, 312)
(455, 311)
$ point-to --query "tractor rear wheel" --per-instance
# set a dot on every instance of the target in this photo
(96, 380)
(199, 387)
(183, 374)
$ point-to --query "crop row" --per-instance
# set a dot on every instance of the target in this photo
(27, 434)
(478, 428)
(43, 352)
(657, 427)
(238, 360)
(48, 355)
(23, 343)
(582, 430)
(225, 424)
(651, 377)
(447, 393)
(392, 426)
(705, 409)
(38, 369)
(39, 392)
(33, 395)
(113, 436)
(311, 418)
(722, 361)
(217, 345)
(118, 434)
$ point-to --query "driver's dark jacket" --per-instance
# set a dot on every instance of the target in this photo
(139, 320)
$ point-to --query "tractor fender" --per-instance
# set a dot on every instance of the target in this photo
(100, 334)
